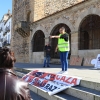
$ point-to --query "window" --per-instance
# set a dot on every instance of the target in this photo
(38, 41)
(89, 37)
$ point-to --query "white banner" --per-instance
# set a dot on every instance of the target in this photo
(49, 82)
(96, 62)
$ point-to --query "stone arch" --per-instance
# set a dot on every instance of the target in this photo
(82, 15)
(55, 31)
(64, 21)
(38, 41)
(36, 29)
(89, 33)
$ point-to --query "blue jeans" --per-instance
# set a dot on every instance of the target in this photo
(64, 61)
(46, 60)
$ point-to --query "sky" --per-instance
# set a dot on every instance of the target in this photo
(4, 6)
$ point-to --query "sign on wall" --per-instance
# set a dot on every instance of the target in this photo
(96, 62)
(87, 61)
(75, 60)
(49, 82)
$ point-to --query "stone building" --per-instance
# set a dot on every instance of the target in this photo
(35, 20)
(5, 30)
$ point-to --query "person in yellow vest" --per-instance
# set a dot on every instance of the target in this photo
(63, 47)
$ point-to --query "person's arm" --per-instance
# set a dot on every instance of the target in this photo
(56, 49)
(64, 36)
(55, 36)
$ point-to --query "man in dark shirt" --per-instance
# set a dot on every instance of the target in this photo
(47, 52)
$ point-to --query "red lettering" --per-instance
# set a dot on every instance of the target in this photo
(36, 82)
(67, 80)
(30, 78)
(78, 59)
(57, 77)
(52, 77)
(74, 81)
(63, 78)
(44, 75)
(44, 83)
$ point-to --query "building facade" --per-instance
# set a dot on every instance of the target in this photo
(1, 33)
(5, 30)
(35, 20)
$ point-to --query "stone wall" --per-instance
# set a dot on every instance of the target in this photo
(19, 44)
(40, 11)
(72, 20)
(44, 8)
(38, 57)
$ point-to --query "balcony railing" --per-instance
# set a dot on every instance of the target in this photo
(23, 28)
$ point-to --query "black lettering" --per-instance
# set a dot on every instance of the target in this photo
(47, 86)
(98, 58)
(50, 88)
(54, 88)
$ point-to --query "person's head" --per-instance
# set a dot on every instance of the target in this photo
(7, 58)
(48, 44)
(62, 30)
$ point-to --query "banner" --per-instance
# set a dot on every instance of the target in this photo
(96, 62)
(49, 82)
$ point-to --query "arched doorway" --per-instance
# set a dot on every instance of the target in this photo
(54, 41)
(89, 33)
(38, 41)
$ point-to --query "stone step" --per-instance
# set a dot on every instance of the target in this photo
(90, 84)
(59, 96)
(35, 96)
(83, 93)
(21, 70)
(87, 90)
(84, 83)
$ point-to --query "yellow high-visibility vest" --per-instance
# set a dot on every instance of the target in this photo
(63, 45)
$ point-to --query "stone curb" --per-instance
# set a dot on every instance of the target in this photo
(90, 84)
(84, 95)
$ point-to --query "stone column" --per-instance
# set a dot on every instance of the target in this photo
(74, 43)
(30, 46)
(46, 39)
